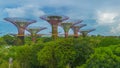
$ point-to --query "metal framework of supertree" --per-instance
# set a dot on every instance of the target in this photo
(21, 24)
(54, 20)
(34, 30)
(68, 24)
(76, 29)
(85, 32)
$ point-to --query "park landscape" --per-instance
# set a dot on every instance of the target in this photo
(68, 41)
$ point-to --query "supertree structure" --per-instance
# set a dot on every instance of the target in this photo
(21, 24)
(76, 29)
(34, 30)
(68, 24)
(85, 32)
(54, 20)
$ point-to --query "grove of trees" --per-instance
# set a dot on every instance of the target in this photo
(82, 52)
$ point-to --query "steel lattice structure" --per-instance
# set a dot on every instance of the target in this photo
(76, 29)
(85, 32)
(21, 24)
(54, 20)
(34, 30)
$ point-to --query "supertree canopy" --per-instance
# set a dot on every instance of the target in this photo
(34, 30)
(54, 20)
(85, 32)
(21, 24)
(76, 29)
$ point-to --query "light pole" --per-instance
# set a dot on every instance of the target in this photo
(10, 62)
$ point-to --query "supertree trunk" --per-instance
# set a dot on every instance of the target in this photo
(76, 34)
(33, 37)
(20, 36)
(54, 31)
(66, 34)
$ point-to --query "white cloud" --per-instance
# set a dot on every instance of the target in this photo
(15, 12)
(24, 11)
(110, 19)
(115, 30)
(104, 18)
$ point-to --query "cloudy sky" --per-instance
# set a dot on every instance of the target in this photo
(104, 15)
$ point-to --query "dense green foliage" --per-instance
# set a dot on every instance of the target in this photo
(88, 52)
(104, 57)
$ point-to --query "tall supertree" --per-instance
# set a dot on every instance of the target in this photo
(68, 24)
(76, 29)
(54, 20)
(34, 30)
(85, 32)
(21, 24)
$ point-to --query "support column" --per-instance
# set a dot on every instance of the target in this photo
(54, 31)
(75, 34)
(20, 36)
(66, 34)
